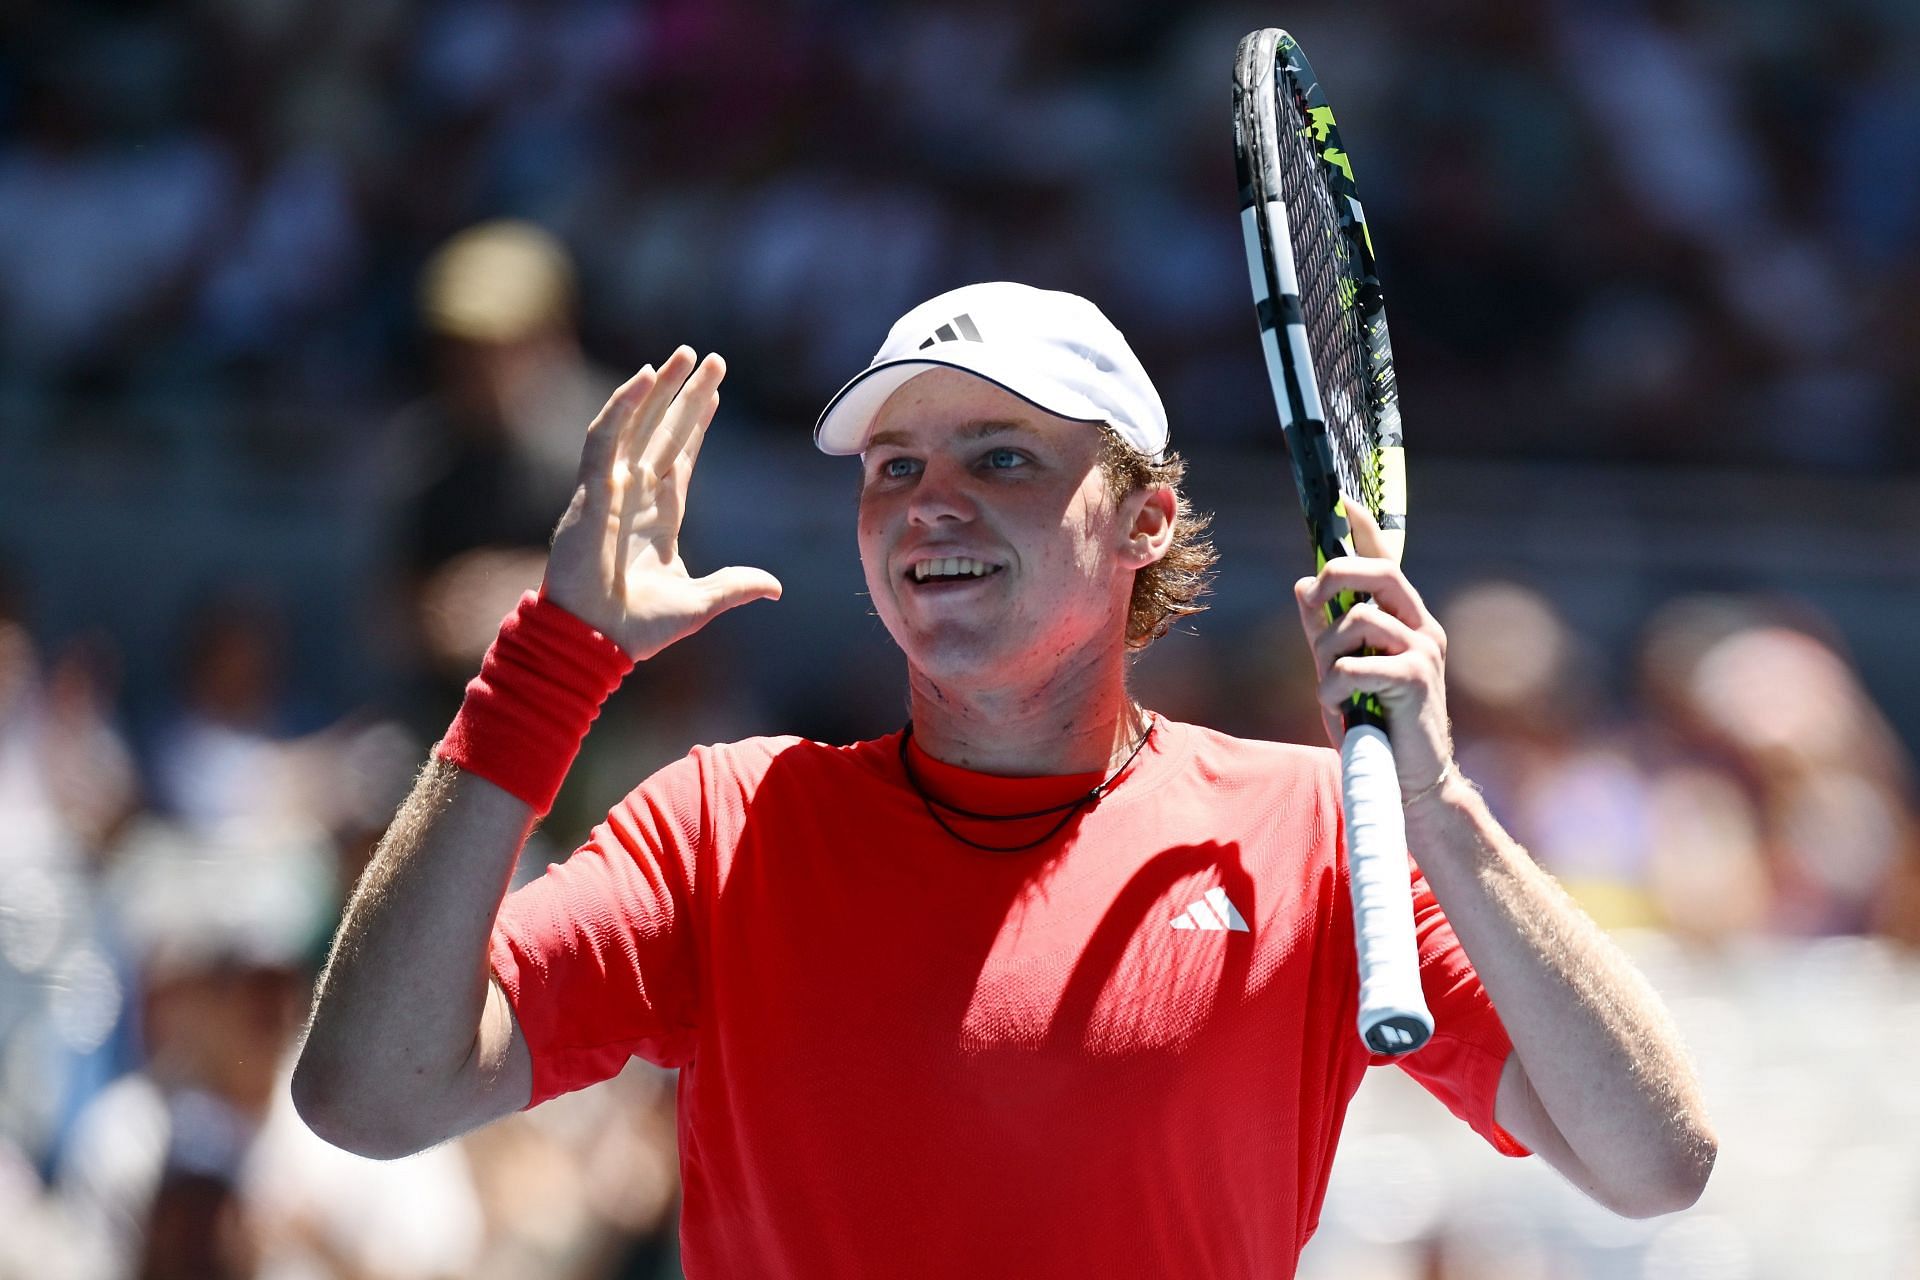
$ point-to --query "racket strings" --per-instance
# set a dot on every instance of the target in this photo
(1323, 261)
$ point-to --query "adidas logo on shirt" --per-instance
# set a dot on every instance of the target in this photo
(1213, 912)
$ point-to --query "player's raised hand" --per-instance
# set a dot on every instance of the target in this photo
(1406, 667)
(615, 562)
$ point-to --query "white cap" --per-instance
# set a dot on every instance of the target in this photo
(1053, 350)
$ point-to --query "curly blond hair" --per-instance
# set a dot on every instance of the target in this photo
(1169, 589)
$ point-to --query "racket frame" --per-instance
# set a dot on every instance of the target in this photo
(1393, 1016)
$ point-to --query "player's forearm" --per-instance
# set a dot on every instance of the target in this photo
(399, 1003)
(1597, 1044)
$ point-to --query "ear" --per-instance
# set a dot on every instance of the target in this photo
(1146, 522)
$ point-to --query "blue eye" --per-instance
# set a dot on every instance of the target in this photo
(896, 468)
(1003, 459)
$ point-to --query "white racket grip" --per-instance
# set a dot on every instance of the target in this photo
(1393, 1012)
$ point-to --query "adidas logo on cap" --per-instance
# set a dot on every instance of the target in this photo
(955, 330)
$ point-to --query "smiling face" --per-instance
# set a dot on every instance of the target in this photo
(994, 550)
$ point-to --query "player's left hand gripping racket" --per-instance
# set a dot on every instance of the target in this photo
(1324, 329)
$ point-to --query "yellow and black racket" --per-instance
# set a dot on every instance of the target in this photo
(1324, 328)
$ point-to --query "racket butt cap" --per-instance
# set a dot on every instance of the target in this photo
(1395, 1034)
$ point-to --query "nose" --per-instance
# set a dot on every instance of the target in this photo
(940, 494)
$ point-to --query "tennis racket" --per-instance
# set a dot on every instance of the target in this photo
(1324, 329)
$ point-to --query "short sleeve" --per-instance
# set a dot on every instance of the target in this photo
(599, 956)
(1461, 1064)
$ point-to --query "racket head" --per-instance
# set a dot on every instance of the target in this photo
(1311, 256)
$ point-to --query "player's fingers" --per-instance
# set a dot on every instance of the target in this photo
(603, 433)
(670, 495)
(1367, 538)
(691, 410)
(690, 452)
(681, 468)
(652, 407)
(1389, 675)
(1365, 626)
(1313, 617)
(589, 530)
(1366, 575)
(735, 585)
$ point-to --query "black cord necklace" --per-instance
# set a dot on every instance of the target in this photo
(1066, 811)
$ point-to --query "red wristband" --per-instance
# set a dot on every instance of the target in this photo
(538, 691)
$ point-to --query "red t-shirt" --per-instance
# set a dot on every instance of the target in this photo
(901, 1055)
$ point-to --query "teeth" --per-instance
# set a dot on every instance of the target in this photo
(950, 567)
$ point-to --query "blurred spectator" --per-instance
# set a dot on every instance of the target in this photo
(1533, 728)
(195, 1165)
(84, 279)
(1753, 787)
(149, 1175)
(487, 461)
(67, 778)
(1757, 691)
(68, 789)
(585, 1190)
(1757, 787)
(219, 757)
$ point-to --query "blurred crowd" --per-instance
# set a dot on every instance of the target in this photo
(1667, 229)
(163, 910)
(391, 256)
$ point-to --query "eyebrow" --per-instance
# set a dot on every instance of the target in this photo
(978, 429)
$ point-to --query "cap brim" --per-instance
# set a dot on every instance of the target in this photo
(848, 418)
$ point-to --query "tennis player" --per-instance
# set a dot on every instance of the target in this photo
(1044, 984)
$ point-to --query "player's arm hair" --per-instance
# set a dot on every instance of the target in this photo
(411, 1041)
